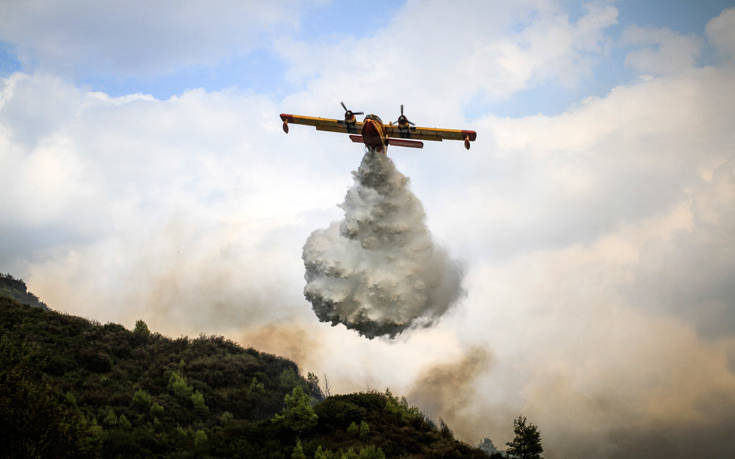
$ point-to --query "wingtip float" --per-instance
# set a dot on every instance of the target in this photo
(372, 132)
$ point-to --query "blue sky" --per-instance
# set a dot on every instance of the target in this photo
(261, 69)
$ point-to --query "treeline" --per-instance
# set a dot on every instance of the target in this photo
(74, 388)
(17, 289)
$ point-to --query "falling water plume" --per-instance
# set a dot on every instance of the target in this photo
(378, 271)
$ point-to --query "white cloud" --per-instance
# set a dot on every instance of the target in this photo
(661, 51)
(549, 47)
(549, 181)
(137, 38)
(428, 49)
(721, 32)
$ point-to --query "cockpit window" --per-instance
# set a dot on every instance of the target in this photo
(374, 117)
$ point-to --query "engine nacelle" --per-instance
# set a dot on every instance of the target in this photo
(350, 118)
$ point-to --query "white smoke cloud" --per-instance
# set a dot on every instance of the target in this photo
(378, 270)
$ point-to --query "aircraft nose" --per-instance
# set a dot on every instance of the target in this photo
(369, 128)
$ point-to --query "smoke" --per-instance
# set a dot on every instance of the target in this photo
(291, 340)
(447, 390)
(378, 271)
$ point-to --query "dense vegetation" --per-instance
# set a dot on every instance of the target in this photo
(16, 289)
(74, 388)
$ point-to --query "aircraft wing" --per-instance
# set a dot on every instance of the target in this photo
(426, 133)
(322, 124)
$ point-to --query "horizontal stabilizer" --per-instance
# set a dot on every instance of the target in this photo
(356, 138)
(405, 143)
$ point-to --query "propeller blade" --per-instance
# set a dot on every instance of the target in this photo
(401, 109)
(411, 123)
(343, 106)
(358, 113)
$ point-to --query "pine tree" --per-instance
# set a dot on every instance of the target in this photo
(297, 414)
(364, 429)
(320, 453)
(527, 442)
(141, 329)
(123, 422)
(298, 451)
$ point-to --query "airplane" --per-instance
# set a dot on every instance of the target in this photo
(373, 133)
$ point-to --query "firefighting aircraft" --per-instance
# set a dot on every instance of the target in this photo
(373, 133)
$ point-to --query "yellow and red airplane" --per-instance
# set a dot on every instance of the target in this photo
(373, 133)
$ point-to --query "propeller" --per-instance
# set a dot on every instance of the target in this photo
(349, 114)
(402, 120)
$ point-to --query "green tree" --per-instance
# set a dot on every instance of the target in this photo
(37, 422)
(298, 451)
(352, 428)
(110, 419)
(177, 384)
(297, 415)
(401, 409)
(156, 410)
(288, 378)
(314, 387)
(320, 453)
(123, 422)
(364, 429)
(200, 438)
(371, 452)
(527, 441)
(444, 429)
(142, 400)
(70, 399)
(141, 329)
(256, 387)
(197, 399)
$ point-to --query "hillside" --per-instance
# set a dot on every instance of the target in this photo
(75, 388)
(17, 290)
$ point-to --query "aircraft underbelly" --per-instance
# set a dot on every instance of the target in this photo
(371, 134)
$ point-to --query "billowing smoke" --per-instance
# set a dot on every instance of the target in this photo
(378, 270)
(446, 390)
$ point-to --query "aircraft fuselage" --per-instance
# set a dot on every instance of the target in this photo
(373, 134)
